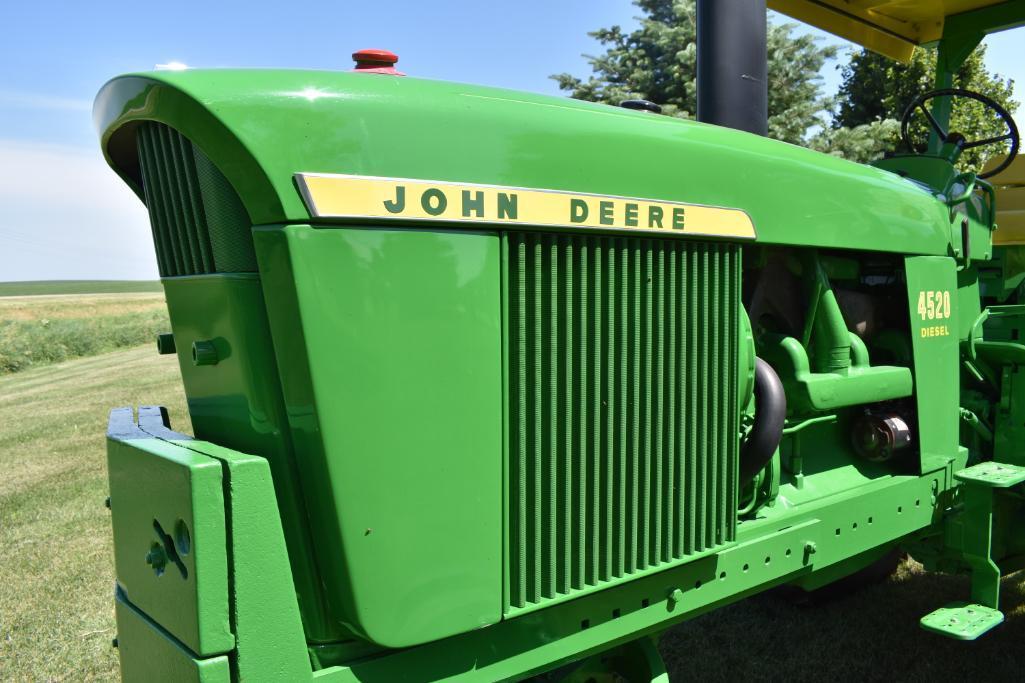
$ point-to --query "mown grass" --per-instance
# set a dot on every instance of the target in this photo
(38, 330)
(38, 287)
(56, 562)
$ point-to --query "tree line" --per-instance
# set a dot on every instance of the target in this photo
(658, 62)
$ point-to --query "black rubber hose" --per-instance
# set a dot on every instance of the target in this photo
(770, 411)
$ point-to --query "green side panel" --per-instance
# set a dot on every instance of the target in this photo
(262, 126)
(236, 402)
(623, 425)
(393, 386)
(270, 638)
(148, 653)
(170, 546)
(932, 282)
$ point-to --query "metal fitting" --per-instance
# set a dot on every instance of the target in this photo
(204, 353)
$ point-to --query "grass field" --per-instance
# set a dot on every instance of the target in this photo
(38, 287)
(48, 328)
(56, 573)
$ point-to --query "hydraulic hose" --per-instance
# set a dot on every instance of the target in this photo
(770, 412)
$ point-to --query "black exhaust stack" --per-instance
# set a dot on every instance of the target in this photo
(732, 65)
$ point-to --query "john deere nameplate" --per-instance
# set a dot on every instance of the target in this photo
(348, 196)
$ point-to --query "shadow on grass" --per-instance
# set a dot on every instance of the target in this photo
(871, 635)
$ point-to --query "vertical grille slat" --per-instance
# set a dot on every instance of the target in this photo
(172, 204)
(622, 516)
(195, 203)
(198, 221)
(172, 167)
(623, 423)
(154, 203)
(161, 213)
(594, 410)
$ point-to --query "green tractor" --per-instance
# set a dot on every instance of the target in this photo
(486, 384)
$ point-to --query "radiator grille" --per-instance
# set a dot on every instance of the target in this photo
(623, 446)
(198, 221)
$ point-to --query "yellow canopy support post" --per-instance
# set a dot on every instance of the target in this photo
(893, 28)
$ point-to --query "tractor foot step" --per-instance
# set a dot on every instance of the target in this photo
(963, 621)
(995, 475)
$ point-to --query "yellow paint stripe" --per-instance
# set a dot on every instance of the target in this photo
(356, 197)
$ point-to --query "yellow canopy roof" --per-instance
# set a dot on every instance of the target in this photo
(1010, 187)
(894, 27)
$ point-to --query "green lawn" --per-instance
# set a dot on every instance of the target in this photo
(56, 575)
(56, 562)
(51, 287)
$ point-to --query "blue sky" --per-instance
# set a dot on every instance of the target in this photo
(66, 216)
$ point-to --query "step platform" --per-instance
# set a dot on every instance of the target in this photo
(997, 475)
(962, 621)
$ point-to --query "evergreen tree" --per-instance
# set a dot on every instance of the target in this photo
(876, 90)
(658, 62)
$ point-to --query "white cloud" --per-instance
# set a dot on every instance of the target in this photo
(29, 100)
(64, 214)
(171, 66)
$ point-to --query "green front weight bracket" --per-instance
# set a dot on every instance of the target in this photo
(202, 571)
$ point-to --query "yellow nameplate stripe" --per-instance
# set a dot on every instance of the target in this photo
(347, 196)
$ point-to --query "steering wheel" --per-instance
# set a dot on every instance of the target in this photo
(919, 104)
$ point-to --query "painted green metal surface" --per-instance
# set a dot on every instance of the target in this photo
(962, 33)
(242, 530)
(982, 484)
(235, 400)
(815, 535)
(255, 125)
(994, 353)
(858, 384)
(148, 653)
(394, 396)
(962, 621)
(262, 591)
(772, 553)
(611, 474)
(825, 366)
(167, 511)
(932, 282)
(992, 475)
(638, 660)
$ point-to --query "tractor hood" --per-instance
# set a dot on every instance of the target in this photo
(262, 128)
